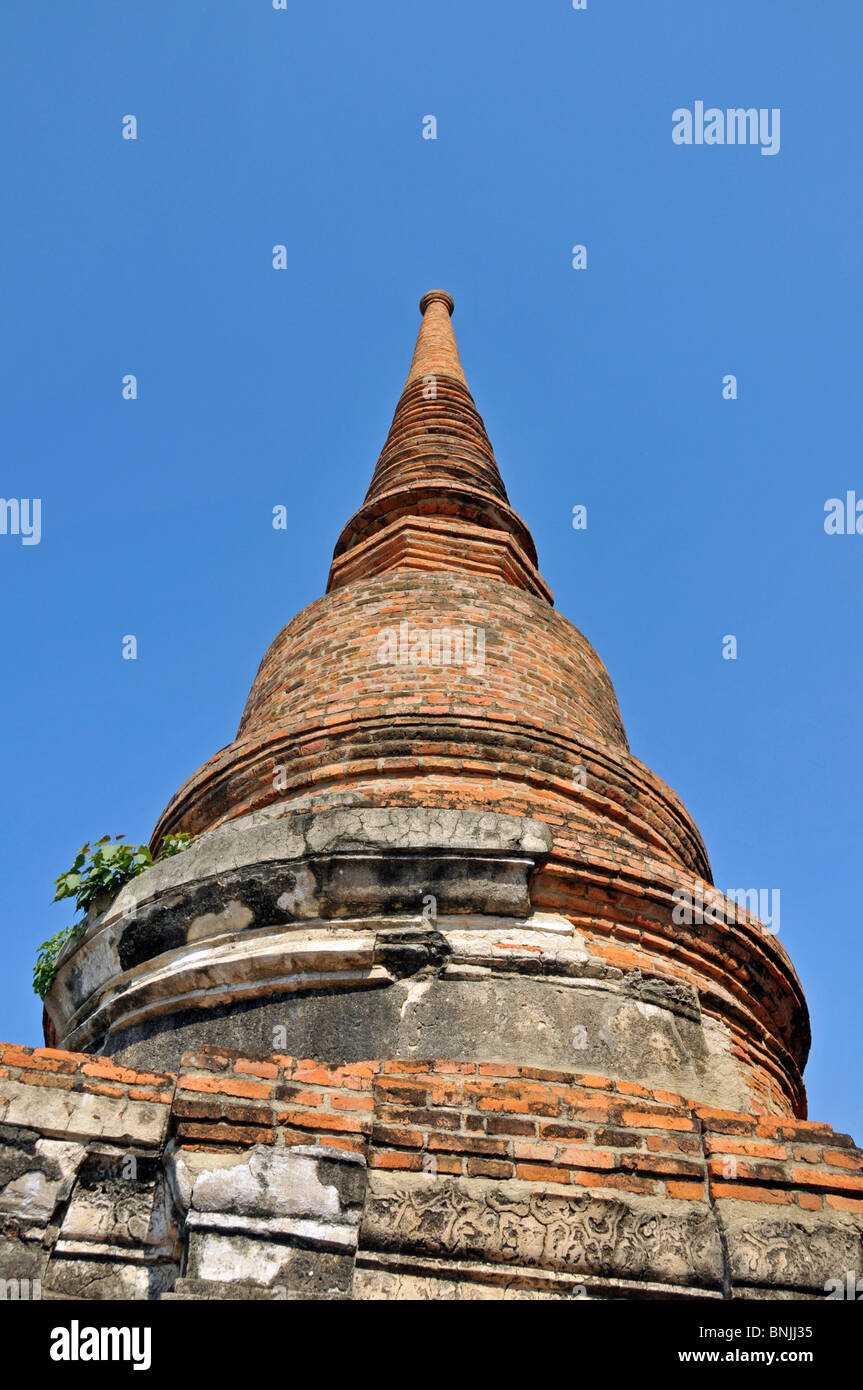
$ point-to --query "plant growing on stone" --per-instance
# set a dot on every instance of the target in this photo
(98, 871)
(107, 867)
(45, 969)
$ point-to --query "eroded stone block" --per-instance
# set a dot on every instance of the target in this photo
(796, 1254)
(633, 1238)
(121, 1198)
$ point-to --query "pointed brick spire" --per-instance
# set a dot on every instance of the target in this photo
(436, 499)
(436, 352)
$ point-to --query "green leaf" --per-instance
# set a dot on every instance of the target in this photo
(98, 869)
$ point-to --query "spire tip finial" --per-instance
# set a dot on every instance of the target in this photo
(439, 296)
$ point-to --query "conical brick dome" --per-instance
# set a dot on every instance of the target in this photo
(512, 712)
(347, 704)
(432, 755)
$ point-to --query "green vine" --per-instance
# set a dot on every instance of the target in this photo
(45, 969)
(98, 871)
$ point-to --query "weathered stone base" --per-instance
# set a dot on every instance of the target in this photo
(414, 932)
(606, 1025)
(269, 1178)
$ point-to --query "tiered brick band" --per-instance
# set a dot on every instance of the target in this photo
(270, 1177)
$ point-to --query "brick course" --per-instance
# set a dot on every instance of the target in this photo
(476, 1119)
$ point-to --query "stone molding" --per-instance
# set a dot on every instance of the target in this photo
(221, 919)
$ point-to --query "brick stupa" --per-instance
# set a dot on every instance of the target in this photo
(415, 1016)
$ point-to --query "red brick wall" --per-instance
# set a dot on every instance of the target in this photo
(474, 1119)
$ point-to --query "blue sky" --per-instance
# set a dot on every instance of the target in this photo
(601, 387)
